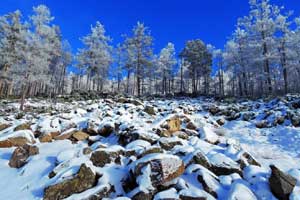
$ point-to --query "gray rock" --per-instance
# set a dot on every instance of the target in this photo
(281, 184)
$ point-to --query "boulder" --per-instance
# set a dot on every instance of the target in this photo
(87, 150)
(281, 184)
(248, 159)
(221, 121)
(84, 180)
(92, 128)
(142, 196)
(214, 110)
(102, 193)
(239, 191)
(25, 126)
(295, 121)
(102, 157)
(64, 136)
(279, 120)
(190, 125)
(79, 135)
(20, 155)
(150, 110)
(136, 102)
(4, 126)
(248, 116)
(194, 194)
(106, 130)
(209, 183)
(173, 125)
(45, 138)
(150, 150)
(223, 165)
(261, 124)
(201, 159)
(163, 167)
(14, 141)
(169, 143)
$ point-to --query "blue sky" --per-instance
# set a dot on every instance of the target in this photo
(169, 20)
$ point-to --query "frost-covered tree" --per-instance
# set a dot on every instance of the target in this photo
(200, 60)
(96, 56)
(139, 53)
(166, 63)
(13, 45)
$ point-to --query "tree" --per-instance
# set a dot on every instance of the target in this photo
(139, 53)
(13, 43)
(200, 59)
(96, 56)
(166, 62)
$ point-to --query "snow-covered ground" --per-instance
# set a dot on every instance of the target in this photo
(138, 150)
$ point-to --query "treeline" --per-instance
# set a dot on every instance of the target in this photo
(262, 57)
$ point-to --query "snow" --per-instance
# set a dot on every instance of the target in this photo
(239, 190)
(279, 145)
(28, 134)
(167, 194)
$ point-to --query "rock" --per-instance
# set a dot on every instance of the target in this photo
(84, 180)
(261, 124)
(173, 125)
(142, 196)
(64, 136)
(221, 121)
(130, 136)
(106, 130)
(163, 167)
(79, 135)
(4, 126)
(248, 116)
(14, 142)
(295, 121)
(20, 155)
(192, 194)
(136, 102)
(87, 150)
(214, 110)
(191, 126)
(169, 143)
(19, 115)
(279, 120)
(248, 159)
(201, 159)
(45, 138)
(25, 126)
(152, 149)
(233, 116)
(239, 191)
(102, 193)
(181, 134)
(150, 110)
(209, 183)
(296, 104)
(5, 144)
(92, 128)
(281, 184)
(223, 165)
(102, 157)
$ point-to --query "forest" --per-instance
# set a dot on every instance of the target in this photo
(260, 58)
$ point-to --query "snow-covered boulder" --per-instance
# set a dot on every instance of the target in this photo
(162, 167)
(84, 180)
